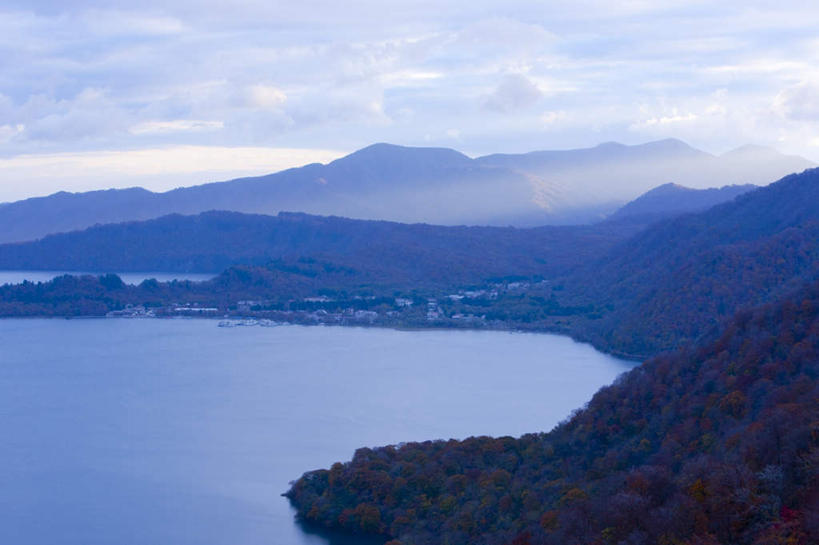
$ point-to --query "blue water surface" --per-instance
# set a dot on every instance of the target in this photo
(179, 432)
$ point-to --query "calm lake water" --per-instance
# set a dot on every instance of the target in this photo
(178, 432)
(17, 277)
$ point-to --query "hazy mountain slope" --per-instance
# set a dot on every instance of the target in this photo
(664, 286)
(612, 174)
(387, 251)
(676, 279)
(714, 445)
(379, 182)
(432, 185)
(33, 218)
(673, 199)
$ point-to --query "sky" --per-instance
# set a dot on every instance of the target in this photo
(168, 93)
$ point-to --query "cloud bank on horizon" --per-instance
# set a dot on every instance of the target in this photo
(102, 94)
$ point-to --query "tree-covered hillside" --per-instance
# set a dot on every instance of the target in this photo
(386, 252)
(674, 281)
(670, 200)
(714, 445)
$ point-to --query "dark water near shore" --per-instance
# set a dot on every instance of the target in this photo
(17, 277)
(180, 432)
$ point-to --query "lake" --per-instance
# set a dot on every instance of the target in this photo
(17, 277)
(180, 432)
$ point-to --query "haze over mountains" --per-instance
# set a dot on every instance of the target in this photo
(673, 199)
(645, 287)
(431, 185)
(214, 240)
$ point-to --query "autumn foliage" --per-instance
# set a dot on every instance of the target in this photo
(714, 445)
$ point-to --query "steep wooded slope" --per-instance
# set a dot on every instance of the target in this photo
(715, 445)
(679, 278)
(390, 253)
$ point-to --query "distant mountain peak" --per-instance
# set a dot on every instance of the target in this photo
(674, 199)
(383, 151)
(669, 142)
(752, 149)
(425, 184)
(669, 187)
(671, 145)
(611, 144)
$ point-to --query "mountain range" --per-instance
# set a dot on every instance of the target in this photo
(635, 288)
(213, 241)
(431, 185)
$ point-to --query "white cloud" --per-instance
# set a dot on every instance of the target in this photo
(550, 118)
(265, 97)
(158, 169)
(179, 125)
(799, 102)
(325, 75)
(409, 78)
(674, 117)
(119, 23)
(7, 132)
(515, 92)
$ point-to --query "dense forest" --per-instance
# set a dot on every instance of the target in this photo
(717, 444)
(679, 278)
(376, 251)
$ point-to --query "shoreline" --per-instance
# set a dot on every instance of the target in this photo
(636, 359)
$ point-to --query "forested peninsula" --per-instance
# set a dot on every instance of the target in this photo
(709, 445)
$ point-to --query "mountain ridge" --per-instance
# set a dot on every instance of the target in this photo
(688, 273)
(213, 241)
(674, 199)
(405, 184)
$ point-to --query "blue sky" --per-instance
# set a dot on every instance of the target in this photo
(161, 94)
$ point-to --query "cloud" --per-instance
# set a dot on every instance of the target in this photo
(7, 132)
(799, 102)
(179, 125)
(515, 92)
(551, 118)
(159, 169)
(80, 77)
(266, 97)
(128, 23)
(90, 114)
(671, 119)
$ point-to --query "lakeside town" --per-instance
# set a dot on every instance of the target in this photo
(485, 307)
